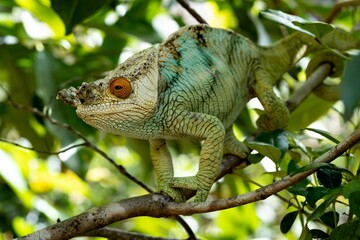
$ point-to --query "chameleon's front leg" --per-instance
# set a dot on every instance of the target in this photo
(276, 114)
(163, 166)
(210, 129)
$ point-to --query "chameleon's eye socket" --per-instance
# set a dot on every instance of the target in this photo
(120, 87)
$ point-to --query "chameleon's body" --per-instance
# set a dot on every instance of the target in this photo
(194, 85)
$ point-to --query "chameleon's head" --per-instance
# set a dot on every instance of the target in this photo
(126, 96)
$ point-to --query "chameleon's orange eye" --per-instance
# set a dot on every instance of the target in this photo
(120, 87)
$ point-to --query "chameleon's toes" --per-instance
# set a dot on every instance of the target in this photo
(236, 148)
(193, 183)
(176, 194)
(201, 195)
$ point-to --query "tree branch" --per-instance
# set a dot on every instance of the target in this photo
(338, 7)
(156, 205)
(314, 80)
(192, 12)
(117, 234)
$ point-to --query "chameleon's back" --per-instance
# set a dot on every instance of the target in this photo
(205, 70)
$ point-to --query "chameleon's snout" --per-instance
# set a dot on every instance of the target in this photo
(69, 96)
(86, 93)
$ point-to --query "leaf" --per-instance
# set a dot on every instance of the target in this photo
(324, 134)
(315, 29)
(331, 219)
(299, 188)
(347, 231)
(45, 14)
(319, 234)
(320, 210)
(265, 149)
(308, 111)
(276, 138)
(305, 234)
(319, 29)
(73, 12)
(288, 221)
(354, 202)
(292, 167)
(255, 158)
(330, 178)
(315, 194)
(350, 86)
(311, 166)
(352, 186)
(316, 165)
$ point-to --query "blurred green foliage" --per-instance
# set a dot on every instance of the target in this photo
(46, 45)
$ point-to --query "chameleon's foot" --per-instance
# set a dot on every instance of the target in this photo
(176, 194)
(271, 124)
(236, 148)
(233, 146)
(193, 183)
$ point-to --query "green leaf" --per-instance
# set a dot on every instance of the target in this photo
(255, 158)
(347, 231)
(315, 29)
(288, 221)
(320, 210)
(350, 86)
(315, 194)
(73, 12)
(284, 19)
(331, 219)
(319, 29)
(354, 202)
(316, 165)
(311, 166)
(292, 167)
(265, 149)
(352, 186)
(276, 138)
(299, 188)
(330, 178)
(45, 14)
(324, 134)
(305, 234)
(319, 234)
(311, 109)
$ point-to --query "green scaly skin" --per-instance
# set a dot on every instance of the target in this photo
(194, 85)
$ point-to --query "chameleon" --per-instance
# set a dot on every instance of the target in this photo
(194, 85)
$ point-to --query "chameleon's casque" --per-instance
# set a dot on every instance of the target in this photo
(193, 85)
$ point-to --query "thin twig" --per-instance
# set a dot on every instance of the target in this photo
(192, 12)
(84, 144)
